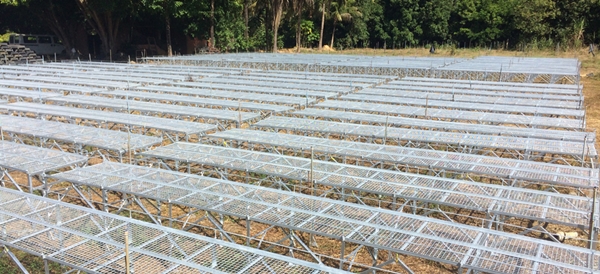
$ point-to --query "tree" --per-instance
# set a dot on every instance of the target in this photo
(298, 6)
(482, 21)
(402, 20)
(105, 18)
(60, 16)
(324, 5)
(435, 17)
(343, 11)
(533, 18)
(167, 8)
(277, 11)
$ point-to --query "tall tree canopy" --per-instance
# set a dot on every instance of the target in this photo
(269, 24)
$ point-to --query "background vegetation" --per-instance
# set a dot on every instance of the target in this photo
(251, 25)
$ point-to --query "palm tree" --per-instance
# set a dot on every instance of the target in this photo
(324, 4)
(277, 10)
(343, 11)
(298, 5)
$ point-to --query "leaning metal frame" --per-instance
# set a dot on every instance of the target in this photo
(34, 162)
(93, 241)
(374, 228)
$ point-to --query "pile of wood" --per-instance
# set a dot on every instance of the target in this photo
(17, 54)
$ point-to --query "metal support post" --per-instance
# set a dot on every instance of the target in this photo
(592, 237)
(127, 270)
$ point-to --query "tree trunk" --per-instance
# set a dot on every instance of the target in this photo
(267, 19)
(167, 12)
(212, 23)
(275, 27)
(298, 29)
(277, 9)
(332, 34)
(106, 27)
(246, 31)
(322, 25)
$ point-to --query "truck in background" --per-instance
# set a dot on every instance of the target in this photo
(40, 44)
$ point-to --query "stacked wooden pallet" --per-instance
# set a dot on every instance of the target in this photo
(17, 54)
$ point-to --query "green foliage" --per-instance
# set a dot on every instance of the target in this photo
(482, 21)
(561, 24)
(4, 37)
(308, 32)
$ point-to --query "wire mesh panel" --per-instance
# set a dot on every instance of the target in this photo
(343, 77)
(446, 92)
(231, 95)
(456, 115)
(198, 101)
(132, 73)
(379, 228)
(97, 101)
(168, 69)
(63, 79)
(24, 93)
(39, 86)
(566, 66)
(501, 200)
(35, 160)
(164, 124)
(94, 242)
(500, 88)
(375, 119)
(324, 80)
(95, 137)
(258, 89)
(426, 136)
(530, 171)
(489, 104)
(266, 83)
(481, 68)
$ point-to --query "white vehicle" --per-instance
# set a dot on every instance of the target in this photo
(41, 44)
